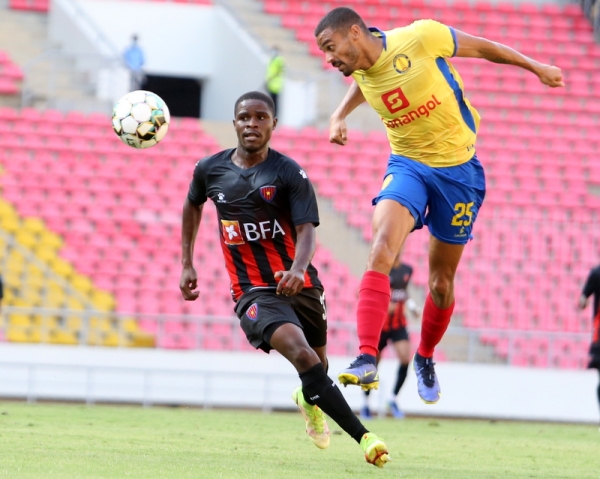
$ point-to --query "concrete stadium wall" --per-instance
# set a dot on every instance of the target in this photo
(192, 41)
(220, 379)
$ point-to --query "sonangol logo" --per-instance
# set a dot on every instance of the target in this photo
(395, 100)
(252, 312)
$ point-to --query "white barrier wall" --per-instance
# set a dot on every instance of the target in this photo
(193, 41)
(266, 381)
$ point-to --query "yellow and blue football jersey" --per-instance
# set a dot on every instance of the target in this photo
(419, 95)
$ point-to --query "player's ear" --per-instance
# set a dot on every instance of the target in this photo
(274, 122)
(355, 32)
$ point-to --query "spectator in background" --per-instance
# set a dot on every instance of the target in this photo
(592, 287)
(1, 293)
(394, 331)
(274, 77)
(134, 59)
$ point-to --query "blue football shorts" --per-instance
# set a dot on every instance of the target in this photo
(447, 199)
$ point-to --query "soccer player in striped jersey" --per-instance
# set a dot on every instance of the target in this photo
(433, 177)
(592, 287)
(267, 214)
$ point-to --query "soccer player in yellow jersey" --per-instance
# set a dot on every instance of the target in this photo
(433, 176)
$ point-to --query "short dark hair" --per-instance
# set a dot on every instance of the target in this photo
(255, 95)
(340, 18)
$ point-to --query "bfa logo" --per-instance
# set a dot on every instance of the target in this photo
(231, 232)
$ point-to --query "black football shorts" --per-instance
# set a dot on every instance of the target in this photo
(393, 335)
(261, 312)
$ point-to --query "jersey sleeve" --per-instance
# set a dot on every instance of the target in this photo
(301, 196)
(197, 191)
(438, 40)
(591, 284)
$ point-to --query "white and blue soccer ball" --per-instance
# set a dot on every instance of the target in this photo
(141, 119)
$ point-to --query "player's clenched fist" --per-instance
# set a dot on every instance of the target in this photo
(337, 131)
(290, 282)
(188, 284)
(551, 76)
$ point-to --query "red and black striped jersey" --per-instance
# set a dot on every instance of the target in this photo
(258, 209)
(399, 279)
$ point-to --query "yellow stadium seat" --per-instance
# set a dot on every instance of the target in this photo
(72, 303)
(26, 238)
(19, 302)
(100, 324)
(63, 337)
(12, 278)
(111, 339)
(62, 267)
(141, 340)
(81, 283)
(21, 335)
(103, 301)
(74, 323)
(16, 335)
(129, 325)
(34, 225)
(17, 319)
(9, 224)
(45, 253)
(50, 240)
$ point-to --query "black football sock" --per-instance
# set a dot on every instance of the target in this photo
(402, 372)
(319, 389)
(599, 391)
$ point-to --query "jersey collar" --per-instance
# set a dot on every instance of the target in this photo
(381, 34)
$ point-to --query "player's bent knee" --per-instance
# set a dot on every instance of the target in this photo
(441, 286)
(381, 257)
(304, 358)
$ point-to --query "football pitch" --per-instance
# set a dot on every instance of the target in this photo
(75, 441)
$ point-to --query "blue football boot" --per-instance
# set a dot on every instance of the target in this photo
(361, 372)
(427, 382)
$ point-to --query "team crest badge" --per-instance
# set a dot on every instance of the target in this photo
(268, 192)
(252, 312)
(401, 63)
(387, 180)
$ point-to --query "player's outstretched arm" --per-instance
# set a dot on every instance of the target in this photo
(190, 222)
(477, 47)
(338, 132)
(291, 282)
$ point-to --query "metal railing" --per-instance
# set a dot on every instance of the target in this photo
(459, 343)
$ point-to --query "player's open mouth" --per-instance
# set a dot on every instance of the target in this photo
(251, 135)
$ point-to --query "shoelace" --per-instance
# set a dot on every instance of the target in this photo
(428, 373)
(359, 361)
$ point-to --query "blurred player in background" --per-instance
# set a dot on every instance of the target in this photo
(592, 287)
(134, 59)
(395, 331)
(274, 76)
(267, 213)
(433, 177)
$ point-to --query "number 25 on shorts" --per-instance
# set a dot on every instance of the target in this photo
(463, 210)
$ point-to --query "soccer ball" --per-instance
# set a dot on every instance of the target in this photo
(141, 119)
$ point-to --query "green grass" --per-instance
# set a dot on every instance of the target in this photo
(73, 441)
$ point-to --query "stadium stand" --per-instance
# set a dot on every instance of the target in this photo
(35, 276)
(115, 211)
(10, 75)
(536, 229)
